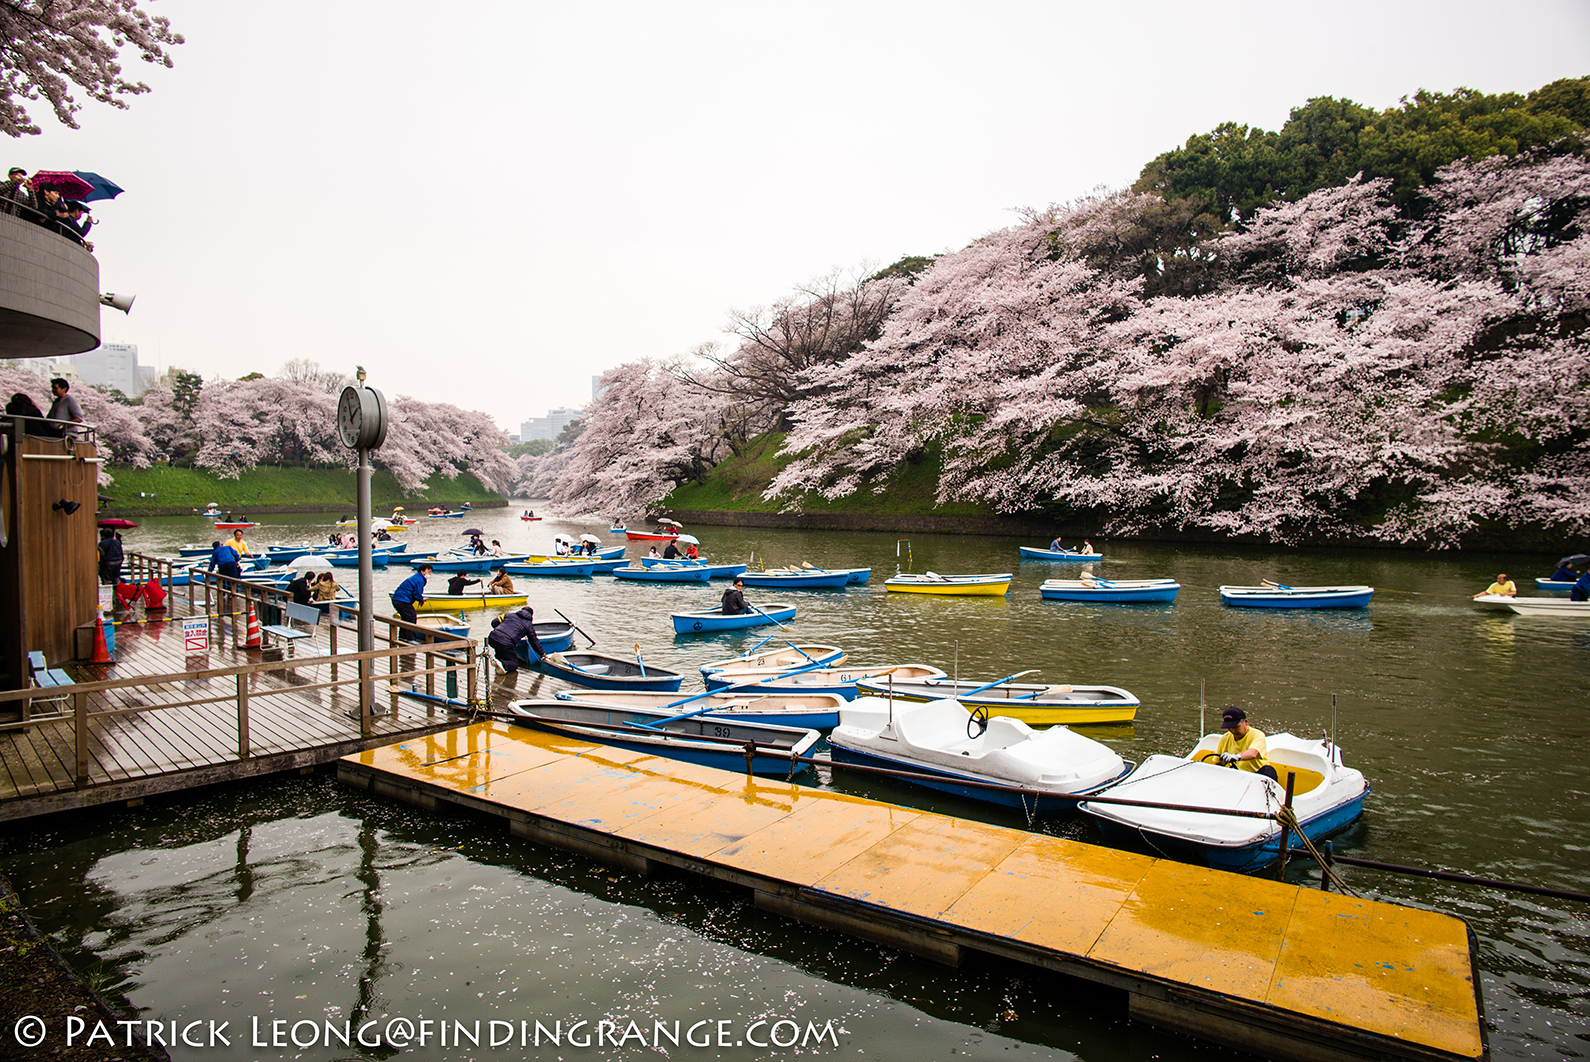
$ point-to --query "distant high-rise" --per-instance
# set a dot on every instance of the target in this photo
(110, 365)
(549, 426)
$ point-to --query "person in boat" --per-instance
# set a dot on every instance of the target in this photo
(506, 631)
(734, 603)
(654, 553)
(496, 549)
(671, 551)
(111, 555)
(1243, 746)
(382, 536)
(1087, 547)
(1564, 574)
(500, 583)
(411, 592)
(302, 588)
(1581, 589)
(477, 545)
(456, 584)
(224, 560)
(690, 552)
(326, 587)
(1055, 547)
(1502, 587)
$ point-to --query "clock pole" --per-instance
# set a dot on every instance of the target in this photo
(361, 419)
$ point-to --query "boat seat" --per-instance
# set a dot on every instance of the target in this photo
(593, 669)
(1307, 780)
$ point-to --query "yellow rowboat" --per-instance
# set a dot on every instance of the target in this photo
(461, 602)
(934, 583)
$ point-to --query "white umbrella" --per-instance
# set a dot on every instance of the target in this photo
(308, 560)
(589, 538)
(561, 537)
(689, 540)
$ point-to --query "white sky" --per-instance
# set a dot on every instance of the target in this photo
(487, 204)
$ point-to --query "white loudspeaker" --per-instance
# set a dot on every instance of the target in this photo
(120, 302)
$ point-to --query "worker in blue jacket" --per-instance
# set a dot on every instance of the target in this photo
(1581, 589)
(224, 560)
(506, 634)
(411, 592)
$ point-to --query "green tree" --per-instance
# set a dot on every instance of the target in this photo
(185, 388)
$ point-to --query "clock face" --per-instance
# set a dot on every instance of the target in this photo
(350, 417)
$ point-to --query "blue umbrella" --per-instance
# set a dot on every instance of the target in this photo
(103, 189)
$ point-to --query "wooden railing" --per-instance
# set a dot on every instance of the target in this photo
(218, 598)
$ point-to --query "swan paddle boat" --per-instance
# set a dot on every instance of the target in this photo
(942, 739)
(1326, 796)
(688, 736)
(713, 619)
(1035, 704)
(598, 671)
(1123, 591)
(934, 583)
(1279, 596)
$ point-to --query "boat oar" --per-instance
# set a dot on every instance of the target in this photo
(797, 648)
(757, 646)
(999, 682)
(576, 626)
(639, 661)
(725, 689)
(1278, 586)
(759, 612)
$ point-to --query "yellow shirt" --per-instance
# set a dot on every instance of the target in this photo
(1253, 739)
(1502, 588)
(241, 547)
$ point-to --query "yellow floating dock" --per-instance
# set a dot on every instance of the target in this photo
(1277, 970)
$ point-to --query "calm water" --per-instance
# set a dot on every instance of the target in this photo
(296, 900)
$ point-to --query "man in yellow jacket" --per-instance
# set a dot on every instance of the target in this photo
(1243, 746)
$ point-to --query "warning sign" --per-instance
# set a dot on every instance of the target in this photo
(196, 635)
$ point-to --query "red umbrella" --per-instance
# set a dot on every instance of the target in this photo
(117, 522)
(69, 185)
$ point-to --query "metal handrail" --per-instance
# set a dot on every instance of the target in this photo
(47, 222)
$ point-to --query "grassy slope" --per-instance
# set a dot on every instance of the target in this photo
(181, 490)
(737, 485)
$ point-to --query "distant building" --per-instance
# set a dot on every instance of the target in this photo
(111, 365)
(549, 426)
(596, 387)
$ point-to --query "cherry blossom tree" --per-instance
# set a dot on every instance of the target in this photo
(49, 46)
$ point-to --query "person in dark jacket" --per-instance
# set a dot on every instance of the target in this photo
(734, 599)
(456, 584)
(224, 560)
(506, 632)
(110, 556)
(411, 592)
(671, 551)
(302, 588)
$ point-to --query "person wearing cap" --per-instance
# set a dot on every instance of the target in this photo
(411, 592)
(1503, 586)
(16, 193)
(734, 599)
(1243, 746)
(75, 227)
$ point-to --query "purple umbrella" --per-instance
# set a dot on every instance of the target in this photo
(472, 531)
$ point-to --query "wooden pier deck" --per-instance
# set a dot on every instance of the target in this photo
(160, 720)
(1270, 968)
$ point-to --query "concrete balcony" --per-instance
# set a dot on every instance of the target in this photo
(49, 292)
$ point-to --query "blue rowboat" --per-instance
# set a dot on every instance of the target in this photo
(283, 554)
(598, 671)
(716, 742)
(1278, 596)
(663, 574)
(787, 656)
(444, 516)
(1553, 586)
(195, 551)
(473, 564)
(1126, 591)
(351, 560)
(714, 620)
(714, 571)
(1034, 553)
(555, 637)
(813, 711)
(544, 569)
(855, 576)
(798, 580)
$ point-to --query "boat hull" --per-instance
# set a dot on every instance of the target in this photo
(1137, 592)
(475, 564)
(555, 569)
(802, 581)
(466, 602)
(615, 673)
(1078, 705)
(1553, 586)
(1062, 555)
(707, 622)
(803, 711)
(1296, 597)
(661, 574)
(953, 585)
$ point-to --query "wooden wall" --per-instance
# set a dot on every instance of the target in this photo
(49, 561)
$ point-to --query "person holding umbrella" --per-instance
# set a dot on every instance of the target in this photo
(111, 556)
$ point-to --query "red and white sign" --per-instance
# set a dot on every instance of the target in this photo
(196, 635)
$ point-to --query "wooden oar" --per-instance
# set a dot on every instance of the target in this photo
(999, 682)
(576, 626)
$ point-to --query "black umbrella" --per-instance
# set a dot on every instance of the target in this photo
(472, 531)
(1575, 560)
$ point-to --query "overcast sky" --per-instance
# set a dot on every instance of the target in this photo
(487, 204)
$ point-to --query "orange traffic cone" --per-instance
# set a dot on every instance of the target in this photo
(255, 641)
(101, 650)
